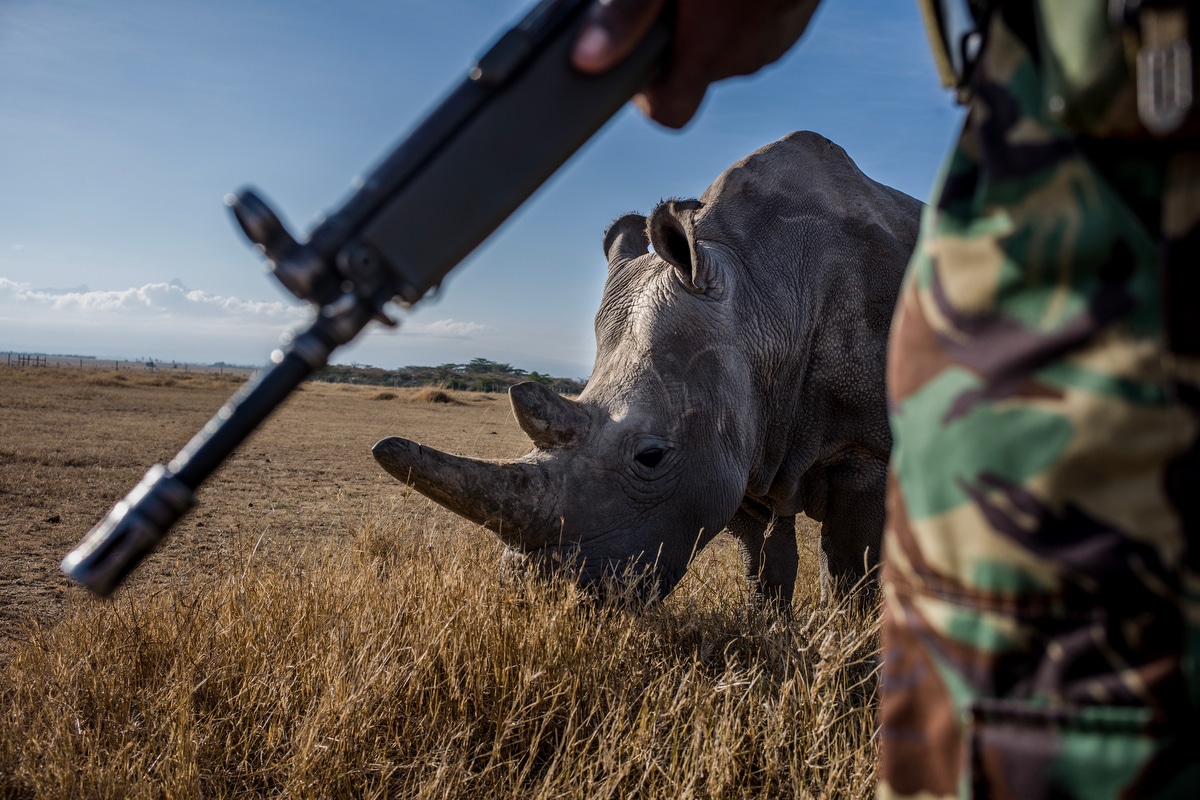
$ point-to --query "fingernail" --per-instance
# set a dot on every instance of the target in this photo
(592, 47)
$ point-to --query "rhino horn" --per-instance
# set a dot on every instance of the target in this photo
(626, 239)
(550, 419)
(507, 498)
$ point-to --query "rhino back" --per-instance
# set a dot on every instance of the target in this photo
(823, 249)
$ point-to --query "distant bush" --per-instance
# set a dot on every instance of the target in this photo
(107, 379)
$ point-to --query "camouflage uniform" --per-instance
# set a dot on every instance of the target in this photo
(1042, 557)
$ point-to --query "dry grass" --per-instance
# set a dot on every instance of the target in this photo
(385, 659)
(431, 394)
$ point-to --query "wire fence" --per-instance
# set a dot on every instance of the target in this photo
(43, 361)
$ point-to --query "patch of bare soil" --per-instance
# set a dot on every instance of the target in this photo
(73, 442)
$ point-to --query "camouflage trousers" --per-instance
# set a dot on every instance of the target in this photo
(1042, 556)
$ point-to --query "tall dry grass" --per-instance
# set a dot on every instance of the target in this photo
(131, 377)
(396, 665)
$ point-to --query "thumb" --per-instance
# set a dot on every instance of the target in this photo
(611, 30)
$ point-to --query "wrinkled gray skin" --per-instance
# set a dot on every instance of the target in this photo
(739, 381)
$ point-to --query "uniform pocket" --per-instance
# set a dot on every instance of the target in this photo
(1019, 750)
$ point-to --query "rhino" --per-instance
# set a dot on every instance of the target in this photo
(738, 381)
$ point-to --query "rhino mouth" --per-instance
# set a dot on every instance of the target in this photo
(625, 582)
(521, 502)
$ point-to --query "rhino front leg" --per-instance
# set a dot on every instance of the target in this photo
(852, 527)
(767, 545)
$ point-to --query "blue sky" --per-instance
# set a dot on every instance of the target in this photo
(124, 123)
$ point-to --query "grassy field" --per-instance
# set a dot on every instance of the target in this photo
(314, 629)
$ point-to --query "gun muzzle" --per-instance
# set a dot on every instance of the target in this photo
(130, 532)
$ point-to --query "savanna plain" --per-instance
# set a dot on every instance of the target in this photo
(315, 629)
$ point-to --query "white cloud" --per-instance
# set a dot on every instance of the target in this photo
(171, 300)
(447, 329)
(158, 320)
(170, 321)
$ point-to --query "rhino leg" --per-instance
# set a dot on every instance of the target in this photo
(852, 527)
(767, 545)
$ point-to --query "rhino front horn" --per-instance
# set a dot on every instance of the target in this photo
(510, 498)
(550, 419)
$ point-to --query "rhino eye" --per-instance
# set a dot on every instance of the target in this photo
(650, 458)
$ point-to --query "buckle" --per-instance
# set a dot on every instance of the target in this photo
(962, 37)
(1164, 61)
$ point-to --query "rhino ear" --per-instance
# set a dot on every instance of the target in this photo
(550, 419)
(673, 234)
(625, 239)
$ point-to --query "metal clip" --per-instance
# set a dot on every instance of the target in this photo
(1164, 68)
(961, 26)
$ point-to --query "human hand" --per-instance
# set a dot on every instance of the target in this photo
(713, 39)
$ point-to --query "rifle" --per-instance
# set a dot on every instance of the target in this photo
(519, 114)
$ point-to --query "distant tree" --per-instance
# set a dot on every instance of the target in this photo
(480, 375)
(486, 366)
(481, 365)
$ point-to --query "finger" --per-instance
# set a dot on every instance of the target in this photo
(611, 30)
(672, 106)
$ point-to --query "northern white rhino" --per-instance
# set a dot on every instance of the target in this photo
(739, 381)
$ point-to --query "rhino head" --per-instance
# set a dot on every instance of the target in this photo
(631, 480)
